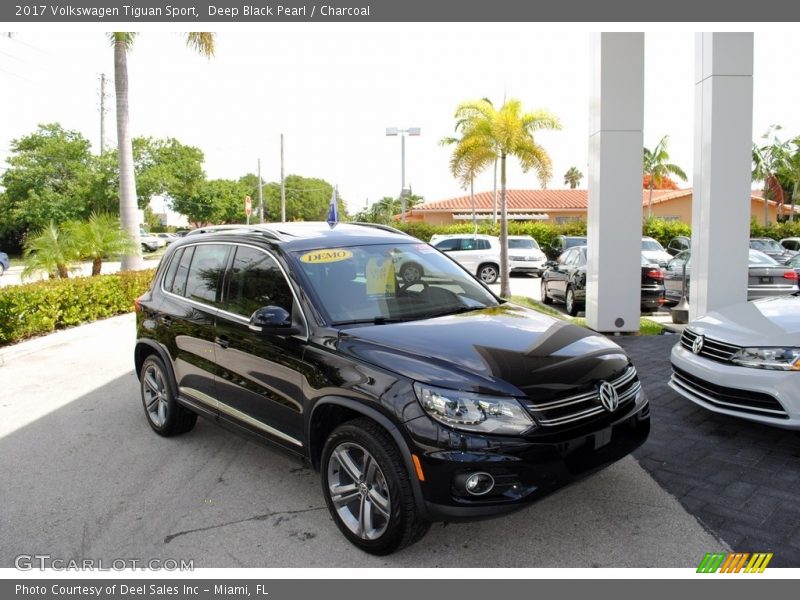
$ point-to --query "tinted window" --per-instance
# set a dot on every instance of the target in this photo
(169, 276)
(451, 244)
(178, 283)
(208, 262)
(256, 281)
(474, 244)
(651, 245)
(526, 244)
(574, 241)
(566, 258)
(759, 258)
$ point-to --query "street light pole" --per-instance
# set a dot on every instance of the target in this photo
(393, 131)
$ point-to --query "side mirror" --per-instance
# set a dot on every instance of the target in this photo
(551, 264)
(273, 319)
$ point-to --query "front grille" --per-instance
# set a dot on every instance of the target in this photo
(746, 401)
(579, 408)
(712, 349)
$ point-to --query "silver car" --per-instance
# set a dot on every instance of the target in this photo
(744, 361)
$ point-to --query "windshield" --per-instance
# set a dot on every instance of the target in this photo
(574, 241)
(652, 245)
(388, 282)
(523, 244)
(767, 245)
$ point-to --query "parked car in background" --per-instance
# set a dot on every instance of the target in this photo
(479, 254)
(167, 237)
(418, 403)
(565, 281)
(743, 360)
(765, 277)
(794, 263)
(4, 262)
(525, 255)
(654, 252)
(561, 243)
(772, 249)
(150, 242)
(791, 243)
(678, 244)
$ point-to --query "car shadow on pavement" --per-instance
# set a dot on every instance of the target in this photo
(90, 480)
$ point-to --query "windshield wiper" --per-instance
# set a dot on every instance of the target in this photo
(373, 321)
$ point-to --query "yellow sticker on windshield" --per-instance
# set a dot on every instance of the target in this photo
(326, 256)
(380, 276)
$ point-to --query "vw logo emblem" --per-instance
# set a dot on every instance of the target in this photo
(697, 344)
(608, 396)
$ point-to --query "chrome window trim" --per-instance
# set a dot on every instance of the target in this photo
(220, 311)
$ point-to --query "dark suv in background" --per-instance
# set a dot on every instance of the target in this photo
(421, 401)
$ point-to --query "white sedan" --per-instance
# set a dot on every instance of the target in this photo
(744, 361)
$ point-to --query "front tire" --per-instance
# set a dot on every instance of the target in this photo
(545, 298)
(488, 273)
(165, 416)
(367, 489)
(569, 303)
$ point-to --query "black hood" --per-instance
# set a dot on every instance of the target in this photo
(506, 350)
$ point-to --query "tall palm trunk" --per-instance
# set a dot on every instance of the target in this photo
(127, 185)
(472, 199)
(505, 287)
(97, 265)
(766, 201)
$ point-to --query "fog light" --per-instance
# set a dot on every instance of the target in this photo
(479, 484)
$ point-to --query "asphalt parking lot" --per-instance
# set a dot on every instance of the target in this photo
(84, 477)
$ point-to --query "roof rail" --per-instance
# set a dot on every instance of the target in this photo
(379, 226)
(256, 228)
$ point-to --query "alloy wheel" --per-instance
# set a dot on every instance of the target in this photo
(156, 395)
(359, 491)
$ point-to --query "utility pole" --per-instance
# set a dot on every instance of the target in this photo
(260, 194)
(283, 188)
(102, 113)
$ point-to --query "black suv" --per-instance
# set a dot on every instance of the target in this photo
(421, 401)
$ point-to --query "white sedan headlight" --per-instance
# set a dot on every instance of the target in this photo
(474, 412)
(783, 359)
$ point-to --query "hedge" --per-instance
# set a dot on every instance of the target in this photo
(659, 229)
(36, 308)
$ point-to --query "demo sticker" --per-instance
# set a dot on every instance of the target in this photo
(326, 256)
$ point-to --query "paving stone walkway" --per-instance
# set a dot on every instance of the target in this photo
(741, 480)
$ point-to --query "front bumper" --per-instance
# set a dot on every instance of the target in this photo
(524, 469)
(736, 391)
(518, 265)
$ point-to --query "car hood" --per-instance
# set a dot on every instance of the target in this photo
(765, 322)
(507, 350)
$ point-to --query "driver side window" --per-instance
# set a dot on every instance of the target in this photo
(255, 281)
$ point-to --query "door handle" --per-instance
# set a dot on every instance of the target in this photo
(222, 341)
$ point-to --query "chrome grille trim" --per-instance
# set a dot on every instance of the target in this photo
(712, 349)
(626, 385)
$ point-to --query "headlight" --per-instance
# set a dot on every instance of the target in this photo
(783, 359)
(474, 412)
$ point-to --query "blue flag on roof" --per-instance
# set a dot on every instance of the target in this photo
(333, 210)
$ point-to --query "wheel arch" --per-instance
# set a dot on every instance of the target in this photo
(351, 409)
(145, 348)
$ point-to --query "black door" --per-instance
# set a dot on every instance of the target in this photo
(187, 317)
(259, 373)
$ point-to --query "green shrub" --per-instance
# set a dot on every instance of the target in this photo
(37, 308)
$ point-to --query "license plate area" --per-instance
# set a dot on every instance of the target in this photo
(765, 279)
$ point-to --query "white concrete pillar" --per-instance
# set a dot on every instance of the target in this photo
(723, 140)
(616, 117)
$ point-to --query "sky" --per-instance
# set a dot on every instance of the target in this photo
(332, 90)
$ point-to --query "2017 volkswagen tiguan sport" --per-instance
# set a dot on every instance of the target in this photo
(422, 401)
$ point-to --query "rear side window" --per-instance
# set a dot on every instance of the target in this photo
(451, 244)
(256, 281)
(205, 271)
(177, 283)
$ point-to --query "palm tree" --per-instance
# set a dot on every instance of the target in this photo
(790, 172)
(101, 236)
(202, 42)
(656, 166)
(490, 134)
(768, 160)
(49, 250)
(465, 166)
(573, 177)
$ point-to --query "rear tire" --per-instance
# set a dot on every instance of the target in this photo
(367, 489)
(488, 273)
(165, 416)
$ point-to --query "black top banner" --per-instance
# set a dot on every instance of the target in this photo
(366, 11)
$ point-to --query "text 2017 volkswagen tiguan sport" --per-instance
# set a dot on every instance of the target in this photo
(429, 400)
